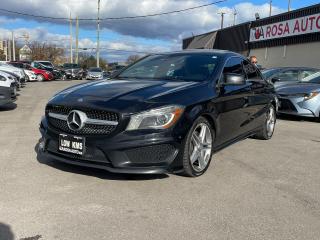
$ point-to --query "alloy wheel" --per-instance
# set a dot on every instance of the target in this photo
(40, 78)
(271, 121)
(200, 147)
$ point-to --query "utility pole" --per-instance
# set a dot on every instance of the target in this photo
(6, 50)
(77, 41)
(98, 35)
(9, 50)
(222, 18)
(234, 16)
(270, 10)
(13, 47)
(71, 53)
(289, 5)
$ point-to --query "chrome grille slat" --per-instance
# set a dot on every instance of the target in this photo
(98, 122)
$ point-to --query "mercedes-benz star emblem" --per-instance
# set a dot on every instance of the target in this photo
(76, 120)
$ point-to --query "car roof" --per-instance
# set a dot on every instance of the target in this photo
(294, 68)
(203, 51)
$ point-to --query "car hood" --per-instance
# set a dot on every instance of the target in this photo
(95, 73)
(12, 69)
(125, 95)
(298, 88)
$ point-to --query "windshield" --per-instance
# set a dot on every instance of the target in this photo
(269, 72)
(189, 67)
(47, 64)
(314, 78)
(70, 65)
(95, 70)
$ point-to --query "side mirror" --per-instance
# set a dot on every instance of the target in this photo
(275, 79)
(234, 79)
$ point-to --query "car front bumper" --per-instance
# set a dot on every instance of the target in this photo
(93, 77)
(299, 107)
(138, 153)
(7, 95)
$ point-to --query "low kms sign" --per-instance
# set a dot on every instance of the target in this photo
(293, 27)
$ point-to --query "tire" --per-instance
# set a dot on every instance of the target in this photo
(40, 78)
(269, 124)
(197, 151)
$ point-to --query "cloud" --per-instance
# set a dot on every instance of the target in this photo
(170, 27)
(113, 50)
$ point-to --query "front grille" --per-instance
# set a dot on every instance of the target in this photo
(88, 129)
(287, 105)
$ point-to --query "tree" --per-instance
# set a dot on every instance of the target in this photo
(47, 51)
(86, 61)
(133, 58)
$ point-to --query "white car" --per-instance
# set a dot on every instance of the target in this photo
(8, 89)
(15, 70)
(94, 73)
(30, 75)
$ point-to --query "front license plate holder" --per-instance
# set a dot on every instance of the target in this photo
(71, 144)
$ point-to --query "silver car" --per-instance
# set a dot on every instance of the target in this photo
(94, 74)
(302, 98)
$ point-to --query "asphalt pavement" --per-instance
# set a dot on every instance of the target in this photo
(252, 190)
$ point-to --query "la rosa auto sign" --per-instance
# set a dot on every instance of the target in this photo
(293, 27)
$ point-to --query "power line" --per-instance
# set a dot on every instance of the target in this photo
(114, 18)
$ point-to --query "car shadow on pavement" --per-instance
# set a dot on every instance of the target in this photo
(8, 107)
(297, 118)
(93, 172)
(6, 232)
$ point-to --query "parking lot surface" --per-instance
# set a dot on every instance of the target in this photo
(252, 190)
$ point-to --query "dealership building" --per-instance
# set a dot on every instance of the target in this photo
(288, 39)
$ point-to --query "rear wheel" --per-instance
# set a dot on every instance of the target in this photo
(269, 124)
(40, 78)
(198, 148)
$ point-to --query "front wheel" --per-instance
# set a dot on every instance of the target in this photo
(40, 78)
(198, 148)
(269, 124)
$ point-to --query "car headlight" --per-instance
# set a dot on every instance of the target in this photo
(310, 96)
(160, 118)
(47, 72)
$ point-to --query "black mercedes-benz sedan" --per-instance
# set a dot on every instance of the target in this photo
(165, 113)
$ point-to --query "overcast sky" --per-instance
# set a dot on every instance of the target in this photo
(154, 34)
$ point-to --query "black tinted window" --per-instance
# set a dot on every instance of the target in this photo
(233, 65)
(252, 73)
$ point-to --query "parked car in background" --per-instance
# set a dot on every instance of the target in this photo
(73, 71)
(8, 89)
(166, 112)
(48, 66)
(30, 75)
(106, 74)
(19, 73)
(302, 98)
(15, 78)
(284, 75)
(42, 75)
(94, 73)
